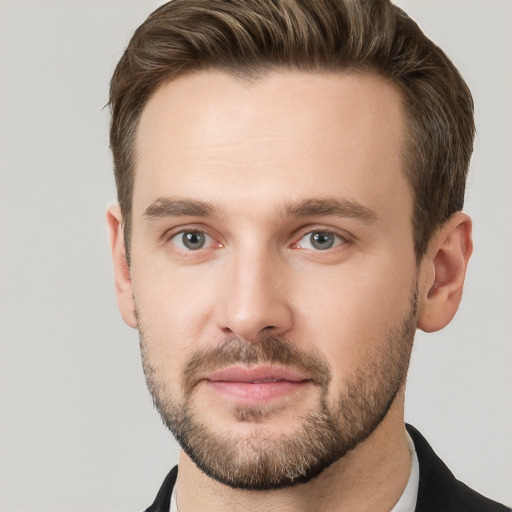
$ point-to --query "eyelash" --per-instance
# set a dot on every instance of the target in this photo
(340, 239)
(175, 234)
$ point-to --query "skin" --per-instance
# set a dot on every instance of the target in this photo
(249, 149)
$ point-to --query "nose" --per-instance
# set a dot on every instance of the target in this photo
(254, 297)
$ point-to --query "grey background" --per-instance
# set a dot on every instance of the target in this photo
(77, 428)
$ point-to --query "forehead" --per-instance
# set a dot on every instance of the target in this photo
(215, 137)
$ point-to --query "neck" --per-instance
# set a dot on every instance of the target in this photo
(370, 477)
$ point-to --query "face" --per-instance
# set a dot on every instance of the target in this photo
(272, 267)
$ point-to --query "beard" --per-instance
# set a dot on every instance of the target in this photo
(262, 460)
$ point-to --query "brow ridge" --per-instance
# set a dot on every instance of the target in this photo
(330, 206)
(168, 207)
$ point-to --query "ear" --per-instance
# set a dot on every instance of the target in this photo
(442, 273)
(123, 280)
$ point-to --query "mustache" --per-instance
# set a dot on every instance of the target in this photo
(265, 350)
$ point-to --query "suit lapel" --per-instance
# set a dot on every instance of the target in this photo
(162, 501)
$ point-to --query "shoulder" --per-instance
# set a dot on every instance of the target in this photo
(439, 490)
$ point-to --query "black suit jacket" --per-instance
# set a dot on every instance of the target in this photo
(439, 490)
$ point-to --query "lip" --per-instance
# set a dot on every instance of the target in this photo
(255, 386)
(255, 375)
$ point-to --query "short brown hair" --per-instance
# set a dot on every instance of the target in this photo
(250, 37)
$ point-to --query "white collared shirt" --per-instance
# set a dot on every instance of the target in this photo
(407, 502)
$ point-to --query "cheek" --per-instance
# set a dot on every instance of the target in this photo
(172, 312)
(355, 309)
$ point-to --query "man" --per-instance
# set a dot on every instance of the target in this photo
(290, 176)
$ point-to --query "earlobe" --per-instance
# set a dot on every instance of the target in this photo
(123, 280)
(442, 273)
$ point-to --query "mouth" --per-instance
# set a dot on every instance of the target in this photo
(254, 386)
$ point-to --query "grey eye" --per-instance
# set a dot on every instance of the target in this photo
(322, 240)
(191, 240)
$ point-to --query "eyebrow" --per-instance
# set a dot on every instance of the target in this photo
(168, 207)
(330, 206)
(164, 207)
